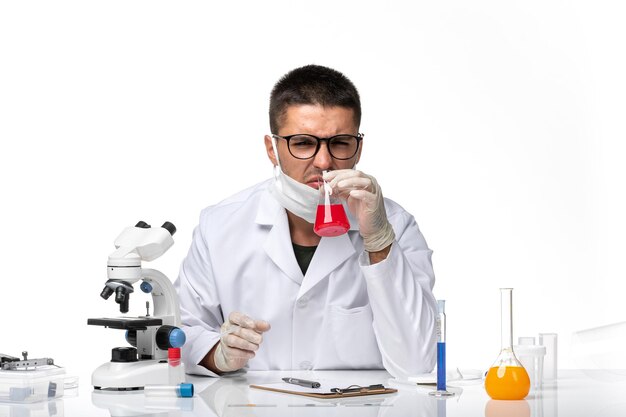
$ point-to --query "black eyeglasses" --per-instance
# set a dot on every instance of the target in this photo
(340, 147)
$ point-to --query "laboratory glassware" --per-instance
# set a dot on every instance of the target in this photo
(175, 372)
(549, 340)
(507, 379)
(441, 352)
(331, 219)
(531, 357)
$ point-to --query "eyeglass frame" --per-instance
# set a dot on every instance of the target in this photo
(358, 137)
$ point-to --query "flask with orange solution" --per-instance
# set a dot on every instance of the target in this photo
(507, 379)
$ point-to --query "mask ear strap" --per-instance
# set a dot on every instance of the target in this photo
(277, 168)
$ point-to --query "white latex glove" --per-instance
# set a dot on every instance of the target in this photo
(365, 201)
(241, 337)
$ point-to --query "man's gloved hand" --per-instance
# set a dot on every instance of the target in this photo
(236, 348)
(365, 201)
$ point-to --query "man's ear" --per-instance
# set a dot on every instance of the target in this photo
(270, 150)
(358, 154)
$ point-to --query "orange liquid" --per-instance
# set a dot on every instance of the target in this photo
(512, 384)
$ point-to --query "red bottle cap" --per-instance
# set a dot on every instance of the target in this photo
(173, 353)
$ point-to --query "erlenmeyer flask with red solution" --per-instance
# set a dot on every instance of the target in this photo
(331, 219)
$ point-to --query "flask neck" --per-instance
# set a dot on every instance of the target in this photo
(506, 323)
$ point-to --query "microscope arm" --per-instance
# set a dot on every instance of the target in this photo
(164, 297)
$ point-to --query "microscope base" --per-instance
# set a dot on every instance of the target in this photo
(124, 376)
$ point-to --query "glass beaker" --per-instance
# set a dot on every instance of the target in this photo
(331, 219)
(507, 379)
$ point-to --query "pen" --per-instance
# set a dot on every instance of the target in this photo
(302, 382)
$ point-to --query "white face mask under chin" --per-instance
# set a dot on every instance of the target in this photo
(298, 198)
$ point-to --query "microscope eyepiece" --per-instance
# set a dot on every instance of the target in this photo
(169, 227)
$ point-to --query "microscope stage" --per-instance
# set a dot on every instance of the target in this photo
(126, 323)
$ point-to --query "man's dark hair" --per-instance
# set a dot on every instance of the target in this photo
(313, 84)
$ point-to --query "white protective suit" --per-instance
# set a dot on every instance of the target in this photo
(343, 314)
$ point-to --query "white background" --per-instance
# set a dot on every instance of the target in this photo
(499, 125)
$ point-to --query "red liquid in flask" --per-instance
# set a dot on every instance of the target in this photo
(331, 220)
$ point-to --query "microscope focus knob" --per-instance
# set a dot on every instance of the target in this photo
(131, 337)
(170, 337)
(124, 354)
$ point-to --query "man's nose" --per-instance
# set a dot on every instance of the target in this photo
(323, 160)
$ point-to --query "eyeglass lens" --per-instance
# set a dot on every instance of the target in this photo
(340, 147)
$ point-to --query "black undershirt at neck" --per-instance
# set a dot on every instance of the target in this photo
(304, 254)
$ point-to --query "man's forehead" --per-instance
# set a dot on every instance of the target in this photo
(315, 107)
(304, 114)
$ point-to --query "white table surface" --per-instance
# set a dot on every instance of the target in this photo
(576, 393)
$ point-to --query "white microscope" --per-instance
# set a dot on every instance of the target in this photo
(146, 361)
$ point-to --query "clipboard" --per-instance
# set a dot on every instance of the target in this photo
(325, 391)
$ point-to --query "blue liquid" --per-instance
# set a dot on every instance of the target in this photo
(441, 366)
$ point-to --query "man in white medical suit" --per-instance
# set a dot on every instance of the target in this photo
(260, 290)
